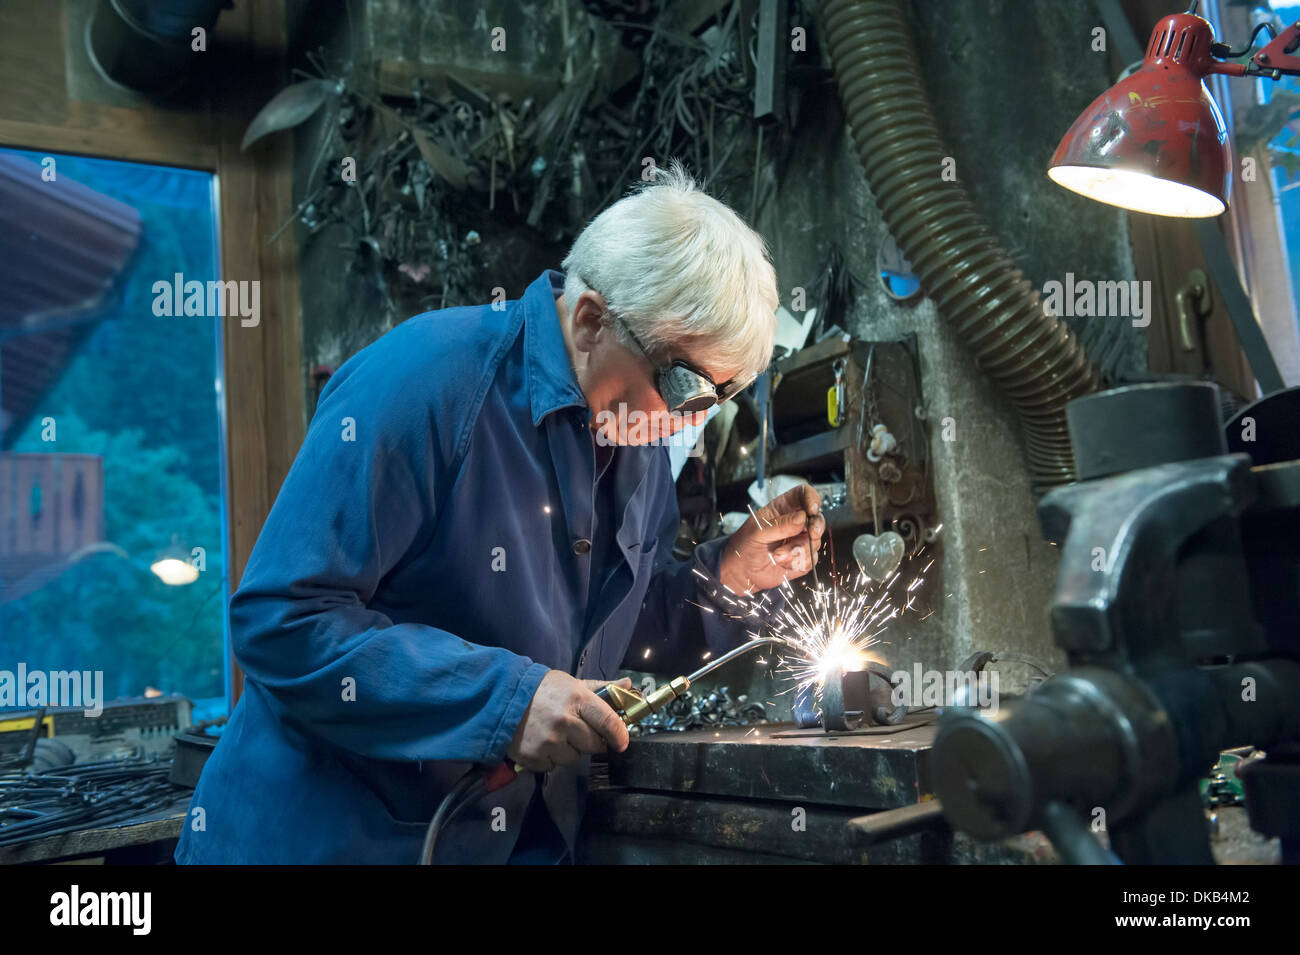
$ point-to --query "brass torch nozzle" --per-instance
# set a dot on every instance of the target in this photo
(632, 707)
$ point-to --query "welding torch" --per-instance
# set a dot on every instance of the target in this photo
(631, 708)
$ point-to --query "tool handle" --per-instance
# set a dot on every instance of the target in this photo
(501, 775)
(620, 699)
(890, 824)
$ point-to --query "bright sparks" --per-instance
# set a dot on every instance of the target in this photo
(832, 631)
(834, 628)
(831, 628)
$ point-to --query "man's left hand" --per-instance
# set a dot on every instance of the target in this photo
(781, 545)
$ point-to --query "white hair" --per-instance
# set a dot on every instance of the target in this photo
(683, 271)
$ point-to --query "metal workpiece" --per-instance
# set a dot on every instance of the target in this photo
(854, 698)
(836, 714)
(882, 767)
(1139, 426)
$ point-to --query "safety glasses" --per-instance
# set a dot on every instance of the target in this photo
(685, 389)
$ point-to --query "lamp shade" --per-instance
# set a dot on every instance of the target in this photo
(1155, 141)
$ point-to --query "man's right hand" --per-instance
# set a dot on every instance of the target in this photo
(565, 720)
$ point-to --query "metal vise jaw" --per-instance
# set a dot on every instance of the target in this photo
(1155, 611)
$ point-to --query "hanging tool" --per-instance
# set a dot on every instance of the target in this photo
(864, 411)
(835, 398)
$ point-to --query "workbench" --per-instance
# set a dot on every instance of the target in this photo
(146, 839)
(726, 795)
(779, 794)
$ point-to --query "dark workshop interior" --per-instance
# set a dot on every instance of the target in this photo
(979, 542)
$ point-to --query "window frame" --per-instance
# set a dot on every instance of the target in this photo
(263, 392)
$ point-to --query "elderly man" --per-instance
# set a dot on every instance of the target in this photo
(475, 535)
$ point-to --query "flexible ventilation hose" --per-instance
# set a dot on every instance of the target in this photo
(1032, 356)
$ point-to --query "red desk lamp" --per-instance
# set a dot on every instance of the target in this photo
(1155, 141)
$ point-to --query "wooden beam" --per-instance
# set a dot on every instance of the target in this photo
(37, 112)
(264, 390)
(132, 145)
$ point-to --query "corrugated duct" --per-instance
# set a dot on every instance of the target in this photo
(1032, 356)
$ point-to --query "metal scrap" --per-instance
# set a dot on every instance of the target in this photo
(87, 796)
(702, 710)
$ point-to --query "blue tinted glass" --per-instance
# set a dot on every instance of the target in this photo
(1285, 148)
(112, 513)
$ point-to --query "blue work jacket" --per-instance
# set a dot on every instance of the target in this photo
(426, 562)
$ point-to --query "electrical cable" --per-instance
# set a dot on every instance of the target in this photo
(1250, 44)
(467, 789)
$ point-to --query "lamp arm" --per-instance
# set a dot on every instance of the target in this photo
(1279, 56)
(1274, 61)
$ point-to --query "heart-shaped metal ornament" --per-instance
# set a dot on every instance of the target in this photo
(879, 555)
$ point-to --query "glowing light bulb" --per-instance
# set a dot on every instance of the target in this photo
(174, 572)
(1138, 191)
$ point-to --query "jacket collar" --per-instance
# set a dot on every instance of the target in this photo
(551, 382)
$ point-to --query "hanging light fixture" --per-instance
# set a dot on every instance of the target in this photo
(173, 565)
(1155, 141)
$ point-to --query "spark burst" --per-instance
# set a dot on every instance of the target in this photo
(836, 627)
(833, 626)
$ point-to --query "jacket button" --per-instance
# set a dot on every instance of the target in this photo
(581, 546)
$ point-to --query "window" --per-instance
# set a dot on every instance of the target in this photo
(1285, 147)
(1262, 224)
(112, 500)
